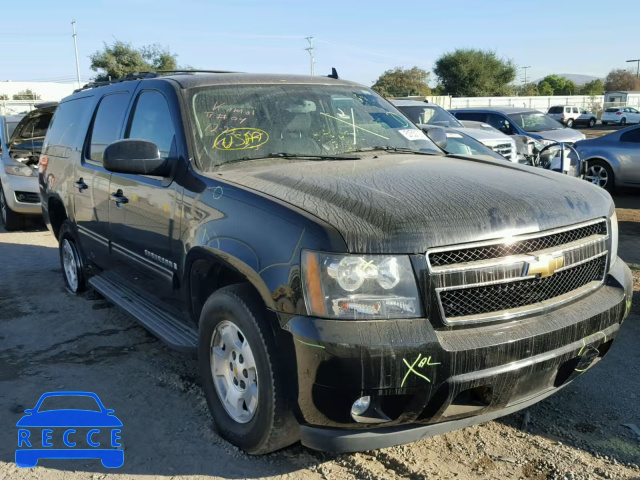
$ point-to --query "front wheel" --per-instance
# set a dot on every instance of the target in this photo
(570, 123)
(600, 173)
(71, 259)
(12, 221)
(242, 372)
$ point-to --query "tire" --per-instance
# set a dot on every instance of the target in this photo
(569, 123)
(11, 220)
(623, 122)
(592, 122)
(265, 424)
(71, 259)
(600, 173)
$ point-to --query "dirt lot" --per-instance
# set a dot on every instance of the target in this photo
(50, 340)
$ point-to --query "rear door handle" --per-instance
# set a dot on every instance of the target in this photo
(80, 185)
(119, 198)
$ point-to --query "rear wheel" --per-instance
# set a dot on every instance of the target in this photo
(592, 123)
(11, 220)
(242, 373)
(623, 121)
(569, 123)
(600, 173)
(71, 260)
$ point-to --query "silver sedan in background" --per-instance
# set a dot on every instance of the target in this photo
(612, 160)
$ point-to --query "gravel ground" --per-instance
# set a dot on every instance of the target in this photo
(50, 340)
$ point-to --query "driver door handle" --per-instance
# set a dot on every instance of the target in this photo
(80, 185)
(119, 198)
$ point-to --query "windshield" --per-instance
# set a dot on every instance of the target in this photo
(244, 122)
(534, 122)
(430, 115)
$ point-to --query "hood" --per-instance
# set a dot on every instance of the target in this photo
(398, 203)
(484, 136)
(568, 135)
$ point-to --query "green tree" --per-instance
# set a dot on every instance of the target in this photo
(27, 94)
(621, 80)
(527, 90)
(400, 82)
(594, 87)
(121, 58)
(475, 73)
(545, 89)
(559, 85)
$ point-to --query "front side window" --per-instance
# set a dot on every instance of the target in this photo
(107, 124)
(430, 115)
(534, 122)
(631, 137)
(244, 122)
(152, 121)
(500, 123)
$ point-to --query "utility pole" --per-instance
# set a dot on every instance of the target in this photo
(525, 73)
(75, 43)
(637, 71)
(313, 58)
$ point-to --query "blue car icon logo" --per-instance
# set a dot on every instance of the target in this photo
(55, 429)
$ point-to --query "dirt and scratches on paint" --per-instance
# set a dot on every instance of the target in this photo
(421, 362)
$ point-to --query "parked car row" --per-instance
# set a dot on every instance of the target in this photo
(343, 279)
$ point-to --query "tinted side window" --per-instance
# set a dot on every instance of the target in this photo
(631, 137)
(68, 127)
(107, 124)
(152, 121)
(575, 110)
(555, 110)
(473, 116)
(499, 122)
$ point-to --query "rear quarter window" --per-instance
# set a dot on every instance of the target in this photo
(611, 110)
(555, 110)
(68, 127)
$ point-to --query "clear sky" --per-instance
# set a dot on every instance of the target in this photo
(360, 38)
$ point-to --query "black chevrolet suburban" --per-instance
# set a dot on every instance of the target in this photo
(344, 281)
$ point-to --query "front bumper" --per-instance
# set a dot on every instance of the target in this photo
(27, 185)
(424, 381)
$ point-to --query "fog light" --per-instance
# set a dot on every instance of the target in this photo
(360, 406)
(21, 197)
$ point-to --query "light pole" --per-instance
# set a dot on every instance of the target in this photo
(75, 43)
(313, 58)
(638, 70)
(525, 73)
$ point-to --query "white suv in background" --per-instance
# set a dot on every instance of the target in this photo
(621, 115)
(570, 115)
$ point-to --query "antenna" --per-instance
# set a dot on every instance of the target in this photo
(313, 58)
(334, 73)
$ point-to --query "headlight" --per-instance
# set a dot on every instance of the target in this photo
(613, 221)
(21, 170)
(347, 286)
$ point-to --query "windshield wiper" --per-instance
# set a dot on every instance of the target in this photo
(302, 156)
(392, 149)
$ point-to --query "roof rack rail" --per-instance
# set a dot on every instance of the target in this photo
(143, 75)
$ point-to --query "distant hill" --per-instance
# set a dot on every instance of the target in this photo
(576, 78)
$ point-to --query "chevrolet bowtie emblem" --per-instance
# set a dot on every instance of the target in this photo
(544, 265)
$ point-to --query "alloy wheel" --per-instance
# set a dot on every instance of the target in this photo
(234, 371)
(597, 175)
(70, 264)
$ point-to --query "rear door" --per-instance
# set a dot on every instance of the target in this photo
(144, 228)
(91, 180)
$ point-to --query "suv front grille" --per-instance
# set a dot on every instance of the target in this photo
(503, 149)
(464, 255)
(506, 278)
(505, 296)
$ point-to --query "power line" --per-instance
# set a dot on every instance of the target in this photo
(638, 71)
(313, 58)
(75, 44)
(525, 73)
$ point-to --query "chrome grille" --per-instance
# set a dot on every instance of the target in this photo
(463, 255)
(503, 149)
(508, 277)
(505, 296)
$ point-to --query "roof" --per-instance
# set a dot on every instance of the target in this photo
(505, 110)
(637, 92)
(195, 79)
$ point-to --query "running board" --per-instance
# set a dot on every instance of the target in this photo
(163, 325)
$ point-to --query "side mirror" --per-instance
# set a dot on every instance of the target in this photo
(437, 135)
(136, 156)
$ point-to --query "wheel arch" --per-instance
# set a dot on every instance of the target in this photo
(57, 215)
(207, 270)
